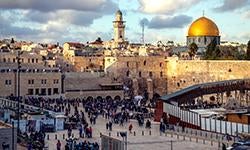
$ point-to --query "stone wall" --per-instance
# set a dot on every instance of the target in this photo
(82, 64)
(184, 73)
(94, 94)
(147, 74)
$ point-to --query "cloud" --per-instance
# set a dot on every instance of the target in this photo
(160, 22)
(64, 16)
(49, 5)
(230, 5)
(8, 29)
(247, 14)
(165, 6)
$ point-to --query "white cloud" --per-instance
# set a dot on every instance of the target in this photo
(52, 5)
(81, 18)
(165, 6)
(247, 14)
(230, 5)
(160, 22)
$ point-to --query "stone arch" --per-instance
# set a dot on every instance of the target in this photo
(89, 98)
(117, 98)
(108, 97)
(99, 98)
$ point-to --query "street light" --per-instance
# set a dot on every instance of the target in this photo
(18, 89)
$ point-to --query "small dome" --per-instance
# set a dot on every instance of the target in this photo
(203, 27)
(118, 15)
(118, 12)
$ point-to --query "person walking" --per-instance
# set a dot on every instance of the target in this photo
(80, 131)
(130, 128)
(58, 145)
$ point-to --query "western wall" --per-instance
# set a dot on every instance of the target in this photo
(184, 73)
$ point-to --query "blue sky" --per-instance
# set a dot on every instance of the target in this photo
(85, 20)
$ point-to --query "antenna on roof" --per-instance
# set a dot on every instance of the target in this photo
(203, 13)
(142, 33)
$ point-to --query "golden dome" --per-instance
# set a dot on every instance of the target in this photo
(203, 27)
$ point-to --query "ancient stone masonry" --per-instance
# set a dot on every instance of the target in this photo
(184, 73)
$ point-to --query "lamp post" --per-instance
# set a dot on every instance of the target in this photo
(18, 89)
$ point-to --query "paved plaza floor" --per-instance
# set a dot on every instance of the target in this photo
(141, 140)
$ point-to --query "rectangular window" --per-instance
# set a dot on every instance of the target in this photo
(37, 91)
(32, 60)
(43, 91)
(49, 91)
(43, 81)
(56, 81)
(7, 82)
(30, 91)
(55, 91)
(31, 81)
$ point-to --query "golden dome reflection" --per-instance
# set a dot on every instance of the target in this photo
(203, 27)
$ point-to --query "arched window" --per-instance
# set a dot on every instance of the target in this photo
(150, 74)
(144, 62)
(127, 73)
(140, 74)
(161, 74)
(160, 64)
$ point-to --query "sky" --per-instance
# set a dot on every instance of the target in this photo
(62, 21)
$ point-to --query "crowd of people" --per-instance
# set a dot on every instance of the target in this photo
(72, 144)
(115, 112)
(33, 140)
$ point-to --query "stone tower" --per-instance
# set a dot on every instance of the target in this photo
(119, 27)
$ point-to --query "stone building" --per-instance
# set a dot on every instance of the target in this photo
(92, 85)
(70, 48)
(35, 78)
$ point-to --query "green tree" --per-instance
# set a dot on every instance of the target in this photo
(248, 50)
(212, 51)
(192, 49)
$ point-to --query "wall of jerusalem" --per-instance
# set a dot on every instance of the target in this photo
(184, 73)
(140, 74)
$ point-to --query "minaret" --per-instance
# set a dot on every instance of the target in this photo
(119, 27)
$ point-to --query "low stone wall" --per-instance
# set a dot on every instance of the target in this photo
(7, 135)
